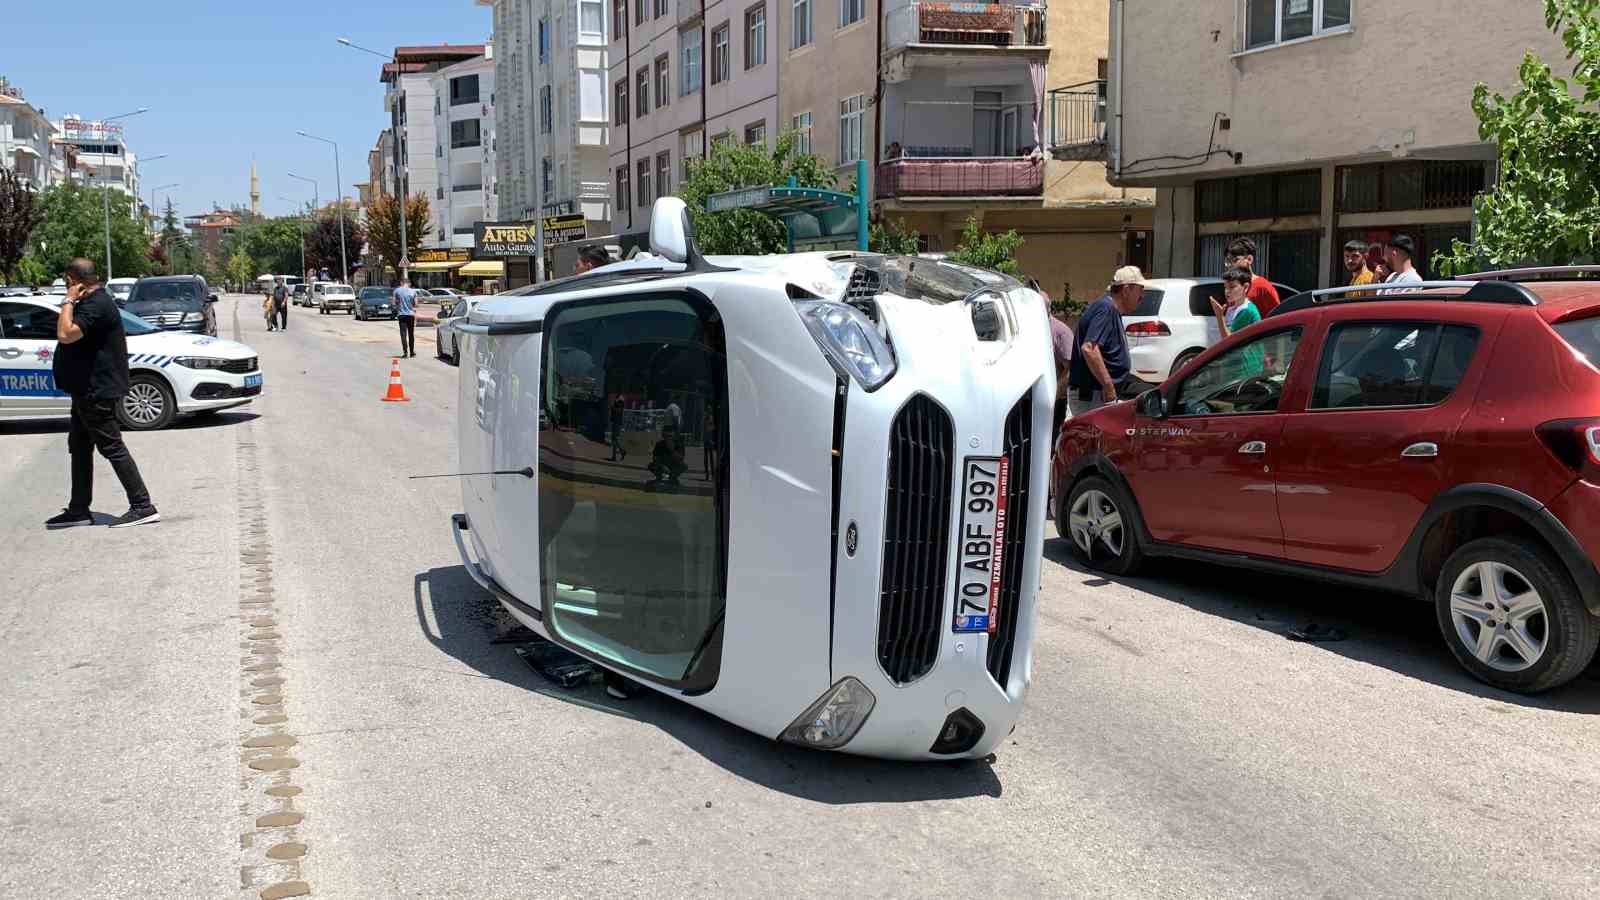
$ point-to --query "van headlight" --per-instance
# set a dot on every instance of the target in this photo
(834, 719)
(199, 362)
(850, 340)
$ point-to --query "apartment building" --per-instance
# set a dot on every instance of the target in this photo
(463, 150)
(828, 51)
(25, 136)
(103, 159)
(411, 97)
(682, 73)
(1308, 123)
(552, 119)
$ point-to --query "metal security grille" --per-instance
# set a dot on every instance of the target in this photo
(1019, 455)
(916, 540)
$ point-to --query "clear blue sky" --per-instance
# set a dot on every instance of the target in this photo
(226, 81)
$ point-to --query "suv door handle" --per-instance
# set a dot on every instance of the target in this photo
(1421, 449)
(1254, 448)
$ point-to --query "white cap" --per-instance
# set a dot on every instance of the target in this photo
(1128, 275)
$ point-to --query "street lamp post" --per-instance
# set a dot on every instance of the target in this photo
(338, 197)
(404, 262)
(315, 202)
(302, 240)
(105, 193)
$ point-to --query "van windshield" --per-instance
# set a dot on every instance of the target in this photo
(633, 486)
(163, 296)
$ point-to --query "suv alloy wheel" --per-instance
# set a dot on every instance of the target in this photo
(1512, 616)
(1097, 518)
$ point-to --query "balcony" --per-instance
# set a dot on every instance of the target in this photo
(956, 148)
(1075, 122)
(935, 177)
(956, 26)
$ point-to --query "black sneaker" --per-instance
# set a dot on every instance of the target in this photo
(69, 518)
(139, 515)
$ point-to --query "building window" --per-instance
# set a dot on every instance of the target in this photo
(641, 11)
(663, 173)
(851, 11)
(720, 61)
(663, 81)
(591, 21)
(544, 40)
(544, 178)
(641, 88)
(619, 102)
(644, 182)
(756, 133)
(689, 50)
(623, 190)
(800, 30)
(437, 110)
(1259, 196)
(464, 133)
(619, 19)
(662, 8)
(801, 126)
(1268, 22)
(546, 110)
(755, 36)
(694, 147)
(850, 120)
(591, 95)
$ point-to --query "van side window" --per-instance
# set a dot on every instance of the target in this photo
(633, 491)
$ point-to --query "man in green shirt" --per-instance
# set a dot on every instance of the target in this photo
(1239, 313)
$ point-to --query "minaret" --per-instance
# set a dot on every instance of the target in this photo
(255, 191)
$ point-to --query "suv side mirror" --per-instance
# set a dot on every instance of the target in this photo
(670, 233)
(1152, 404)
(211, 298)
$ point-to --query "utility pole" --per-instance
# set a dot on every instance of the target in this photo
(338, 196)
(399, 172)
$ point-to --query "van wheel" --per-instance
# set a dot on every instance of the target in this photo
(1183, 359)
(148, 405)
(1513, 617)
(1097, 518)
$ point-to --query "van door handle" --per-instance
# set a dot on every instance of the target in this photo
(1254, 448)
(1421, 449)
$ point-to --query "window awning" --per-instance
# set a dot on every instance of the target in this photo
(435, 266)
(484, 268)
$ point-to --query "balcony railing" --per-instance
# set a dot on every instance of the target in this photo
(972, 176)
(953, 24)
(1075, 127)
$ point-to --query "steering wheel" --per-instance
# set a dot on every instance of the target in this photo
(1256, 392)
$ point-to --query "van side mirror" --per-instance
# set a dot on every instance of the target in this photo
(671, 235)
(1152, 404)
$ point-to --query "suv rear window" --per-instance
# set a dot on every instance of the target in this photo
(1369, 364)
(1584, 337)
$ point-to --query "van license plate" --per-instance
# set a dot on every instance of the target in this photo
(983, 531)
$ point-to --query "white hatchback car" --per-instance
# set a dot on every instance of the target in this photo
(804, 493)
(445, 344)
(171, 373)
(1174, 323)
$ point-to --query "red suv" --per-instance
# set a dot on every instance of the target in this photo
(1442, 443)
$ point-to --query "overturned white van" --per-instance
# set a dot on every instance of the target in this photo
(804, 493)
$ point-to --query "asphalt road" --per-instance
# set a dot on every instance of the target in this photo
(290, 685)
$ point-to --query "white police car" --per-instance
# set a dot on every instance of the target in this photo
(171, 373)
(805, 493)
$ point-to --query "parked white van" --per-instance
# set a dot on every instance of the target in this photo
(805, 493)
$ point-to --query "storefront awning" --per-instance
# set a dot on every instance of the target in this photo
(483, 268)
(435, 266)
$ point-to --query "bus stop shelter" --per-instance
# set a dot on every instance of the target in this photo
(815, 218)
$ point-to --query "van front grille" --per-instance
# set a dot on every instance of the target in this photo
(1018, 449)
(916, 540)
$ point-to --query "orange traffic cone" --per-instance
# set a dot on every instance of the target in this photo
(397, 393)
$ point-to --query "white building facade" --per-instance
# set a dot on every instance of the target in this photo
(412, 94)
(104, 160)
(24, 138)
(464, 149)
(552, 120)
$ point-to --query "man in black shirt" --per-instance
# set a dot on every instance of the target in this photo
(91, 365)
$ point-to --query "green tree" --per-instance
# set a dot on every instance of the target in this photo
(1545, 209)
(20, 213)
(32, 272)
(987, 251)
(176, 252)
(322, 243)
(74, 225)
(733, 166)
(383, 226)
(273, 243)
(241, 269)
(893, 238)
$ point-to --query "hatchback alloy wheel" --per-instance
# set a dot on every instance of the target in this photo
(1499, 615)
(1094, 517)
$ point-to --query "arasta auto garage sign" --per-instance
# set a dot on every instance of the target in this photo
(493, 240)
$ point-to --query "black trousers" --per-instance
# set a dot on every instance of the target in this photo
(282, 309)
(94, 427)
(408, 334)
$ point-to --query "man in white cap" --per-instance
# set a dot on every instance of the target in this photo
(1100, 363)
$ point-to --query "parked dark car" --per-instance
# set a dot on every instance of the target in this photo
(375, 303)
(175, 303)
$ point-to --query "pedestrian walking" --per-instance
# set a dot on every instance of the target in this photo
(1355, 263)
(280, 305)
(1241, 254)
(618, 413)
(1061, 339)
(268, 313)
(91, 366)
(1100, 365)
(405, 307)
(1400, 252)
